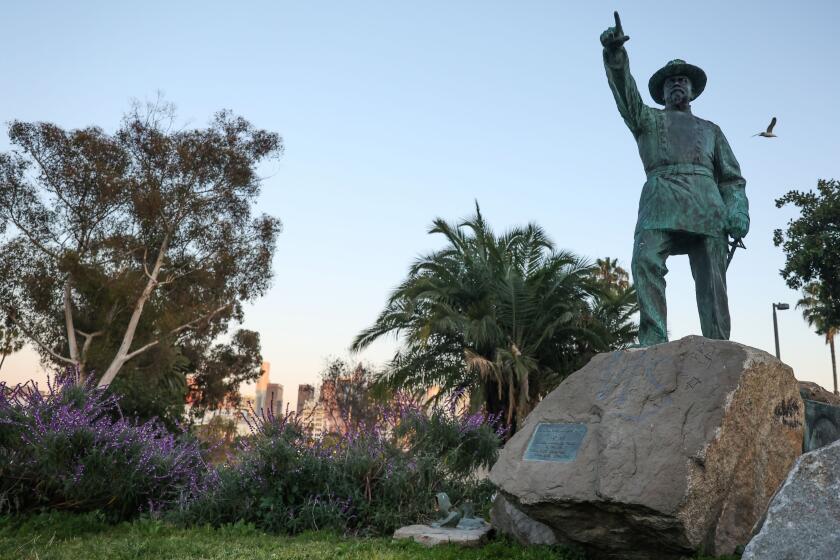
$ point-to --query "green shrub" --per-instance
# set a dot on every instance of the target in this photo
(369, 481)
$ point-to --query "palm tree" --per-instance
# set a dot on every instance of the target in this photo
(612, 275)
(503, 317)
(614, 303)
(815, 311)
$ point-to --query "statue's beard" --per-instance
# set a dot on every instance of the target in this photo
(677, 98)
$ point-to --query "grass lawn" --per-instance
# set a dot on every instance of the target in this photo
(80, 537)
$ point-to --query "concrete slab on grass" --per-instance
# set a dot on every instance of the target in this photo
(433, 536)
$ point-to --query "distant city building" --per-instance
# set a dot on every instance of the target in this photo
(328, 392)
(273, 399)
(312, 416)
(319, 412)
(306, 393)
(262, 387)
(268, 395)
(334, 421)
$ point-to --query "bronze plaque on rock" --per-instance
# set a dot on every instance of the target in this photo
(555, 442)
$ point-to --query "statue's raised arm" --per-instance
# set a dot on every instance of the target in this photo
(621, 82)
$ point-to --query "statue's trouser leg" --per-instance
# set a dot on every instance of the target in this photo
(650, 249)
(708, 266)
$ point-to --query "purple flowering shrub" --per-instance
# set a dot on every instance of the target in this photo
(70, 449)
(368, 481)
(461, 443)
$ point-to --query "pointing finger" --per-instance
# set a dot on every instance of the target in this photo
(619, 31)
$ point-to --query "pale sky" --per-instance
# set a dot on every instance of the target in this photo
(394, 113)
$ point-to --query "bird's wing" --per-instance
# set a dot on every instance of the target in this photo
(772, 124)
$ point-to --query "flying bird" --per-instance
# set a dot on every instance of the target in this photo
(769, 132)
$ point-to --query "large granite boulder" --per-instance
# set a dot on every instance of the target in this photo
(658, 452)
(803, 521)
(510, 520)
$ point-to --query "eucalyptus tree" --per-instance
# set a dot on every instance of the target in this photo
(119, 244)
(504, 317)
(815, 311)
(216, 371)
(11, 340)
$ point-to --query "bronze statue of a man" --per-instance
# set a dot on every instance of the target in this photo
(693, 199)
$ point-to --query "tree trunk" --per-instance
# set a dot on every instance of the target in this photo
(833, 362)
(68, 323)
(497, 405)
(3, 359)
(128, 337)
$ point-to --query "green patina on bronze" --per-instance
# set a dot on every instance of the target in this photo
(693, 199)
(460, 518)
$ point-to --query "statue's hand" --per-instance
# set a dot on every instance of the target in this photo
(614, 37)
(738, 225)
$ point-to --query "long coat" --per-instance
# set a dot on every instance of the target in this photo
(693, 179)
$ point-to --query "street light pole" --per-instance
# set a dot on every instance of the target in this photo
(780, 307)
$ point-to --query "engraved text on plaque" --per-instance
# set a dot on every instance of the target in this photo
(555, 442)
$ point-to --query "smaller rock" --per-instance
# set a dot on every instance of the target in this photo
(822, 425)
(803, 520)
(433, 536)
(813, 392)
(510, 520)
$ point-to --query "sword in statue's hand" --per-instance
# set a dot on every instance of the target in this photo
(733, 245)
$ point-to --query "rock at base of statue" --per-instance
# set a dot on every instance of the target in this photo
(508, 520)
(803, 520)
(434, 536)
(658, 452)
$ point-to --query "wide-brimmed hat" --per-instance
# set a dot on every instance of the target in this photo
(677, 67)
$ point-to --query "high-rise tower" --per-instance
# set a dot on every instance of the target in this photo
(306, 393)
